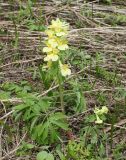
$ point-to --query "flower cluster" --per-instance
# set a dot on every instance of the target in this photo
(99, 113)
(55, 43)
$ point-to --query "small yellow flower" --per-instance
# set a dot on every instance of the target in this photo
(65, 71)
(104, 110)
(50, 33)
(63, 47)
(51, 57)
(58, 24)
(62, 44)
(60, 28)
(98, 121)
(98, 111)
(52, 43)
(59, 34)
(47, 49)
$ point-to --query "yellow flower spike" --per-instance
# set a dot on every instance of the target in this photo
(98, 121)
(65, 71)
(55, 43)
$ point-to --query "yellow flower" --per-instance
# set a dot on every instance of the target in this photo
(50, 33)
(51, 45)
(63, 47)
(98, 121)
(104, 110)
(51, 57)
(60, 28)
(47, 49)
(62, 44)
(97, 111)
(59, 34)
(65, 71)
(52, 42)
(58, 24)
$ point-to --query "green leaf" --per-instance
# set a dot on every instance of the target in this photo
(60, 124)
(43, 105)
(50, 157)
(42, 155)
(81, 102)
(29, 146)
(53, 134)
(45, 131)
(20, 107)
(57, 116)
(33, 123)
(44, 78)
(17, 115)
(90, 118)
(40, 129)
(60, 154)
(4, 95)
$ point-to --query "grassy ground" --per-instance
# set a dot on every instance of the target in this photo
(97, 57)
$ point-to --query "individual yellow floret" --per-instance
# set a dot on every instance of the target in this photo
(52, 43)
(62, 44)
(50, 33)
(63, 47)
(51, 57)
(47, 49)
(65, 71)
(98, 111)
(104, 110)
